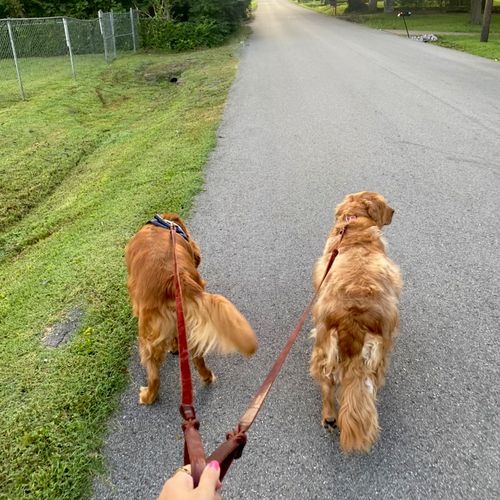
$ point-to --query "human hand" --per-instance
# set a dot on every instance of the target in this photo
(180, 485)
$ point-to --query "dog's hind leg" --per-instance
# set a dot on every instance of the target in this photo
(324, 360)
(329, 412)
(205, 373)
(152, 347)
(174, 345)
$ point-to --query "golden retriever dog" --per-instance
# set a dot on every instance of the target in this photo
(356, 318)
(212, 322)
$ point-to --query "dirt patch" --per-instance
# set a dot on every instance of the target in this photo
(163, 72)
(60, 333)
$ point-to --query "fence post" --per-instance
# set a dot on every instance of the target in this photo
(68, 43)
(112, 21)
(104, 41)
(132, 23)
(13, 47)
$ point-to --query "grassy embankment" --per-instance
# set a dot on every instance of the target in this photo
(428, 23)
(84, 164)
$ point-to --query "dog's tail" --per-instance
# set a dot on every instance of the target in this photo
(215, 324)
(358, 417)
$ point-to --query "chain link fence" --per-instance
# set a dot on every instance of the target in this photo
(36, 47)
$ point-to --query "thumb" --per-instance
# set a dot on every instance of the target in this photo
(209, 480)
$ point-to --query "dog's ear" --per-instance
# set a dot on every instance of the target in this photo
(196, 252)
(374, 210)
(379, 211)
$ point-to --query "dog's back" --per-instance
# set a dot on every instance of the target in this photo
(360, 296)
(149, 259)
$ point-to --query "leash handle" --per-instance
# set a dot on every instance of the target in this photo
(229, 450)
(194, 453)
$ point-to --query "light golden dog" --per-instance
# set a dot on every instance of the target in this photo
(212, 322)
(356, 318)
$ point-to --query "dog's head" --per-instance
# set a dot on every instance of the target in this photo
(365, 204)
(195, 249)
(175, 218)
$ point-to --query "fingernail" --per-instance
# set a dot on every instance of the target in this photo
(214, 465)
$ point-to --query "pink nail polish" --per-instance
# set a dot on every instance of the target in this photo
(214, 465)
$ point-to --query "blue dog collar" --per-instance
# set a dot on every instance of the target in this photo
(167, 224)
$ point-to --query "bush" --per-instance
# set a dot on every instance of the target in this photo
(159, 33)
(356, 6)
(227, 12)
(434, 5)
(193, 24)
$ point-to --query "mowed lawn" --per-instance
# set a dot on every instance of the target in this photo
(85, 164)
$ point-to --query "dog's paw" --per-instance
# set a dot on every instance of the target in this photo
(173, 347)
(330, 424)
(210, 378)
(145, 396)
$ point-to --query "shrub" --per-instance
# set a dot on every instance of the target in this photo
(356, 6)
(193, 23)
(226, 12)
(159, 33)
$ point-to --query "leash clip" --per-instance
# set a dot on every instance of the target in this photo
(187, 412)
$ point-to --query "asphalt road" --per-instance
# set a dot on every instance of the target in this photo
(321, 108)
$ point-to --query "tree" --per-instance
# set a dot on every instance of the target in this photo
(372, 5)
(11, 8)
(485, 31)
(475, 11)
(70, 8)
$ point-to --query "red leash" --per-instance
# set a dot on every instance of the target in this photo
(194, 453)
(232, 448)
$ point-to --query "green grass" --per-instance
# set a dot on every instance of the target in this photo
(472, 45)
(430, 23)
(84, 164)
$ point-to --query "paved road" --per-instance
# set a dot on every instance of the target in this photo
(321, 108)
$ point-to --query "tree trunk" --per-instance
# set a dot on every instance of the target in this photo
(372, 6)
(485, 31)
(475, 12)
(389, 6)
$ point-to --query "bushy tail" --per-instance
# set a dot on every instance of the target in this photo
(358, 417)
(215, 324)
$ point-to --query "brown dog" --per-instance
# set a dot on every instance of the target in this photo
(212, 322)
(356, 318)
